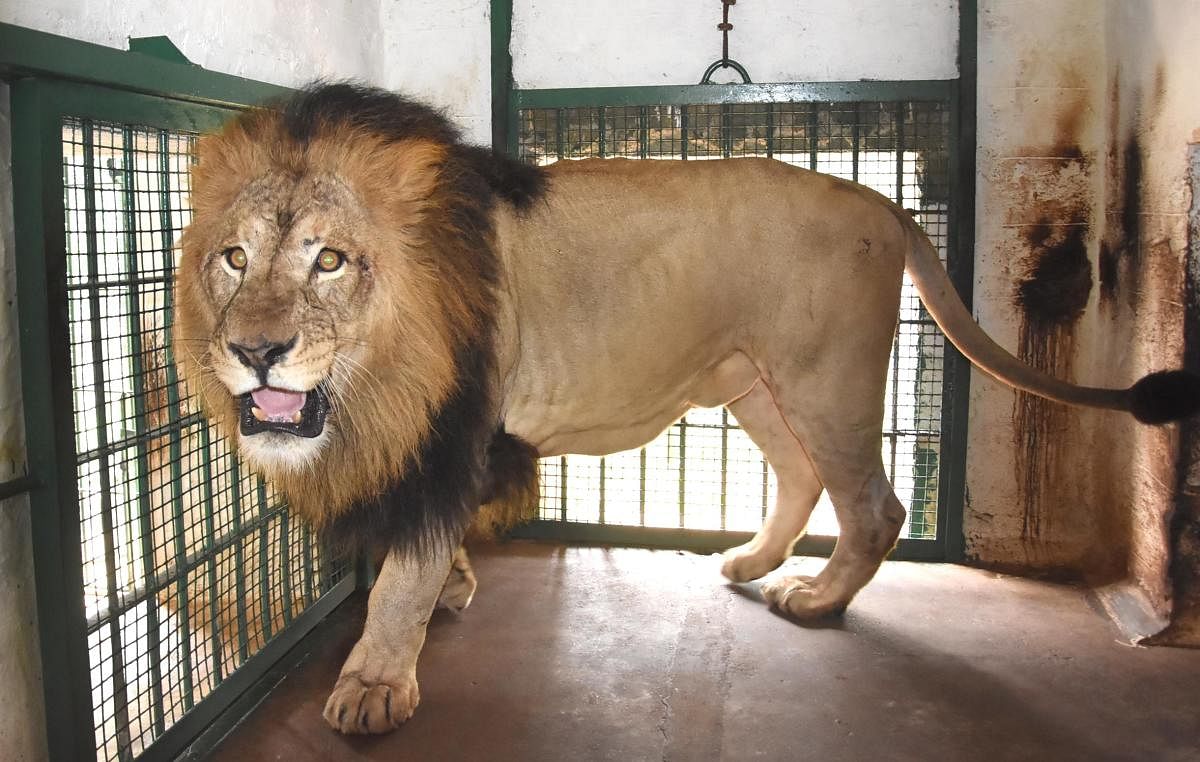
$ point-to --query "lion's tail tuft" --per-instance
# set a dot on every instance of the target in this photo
(1167, 395)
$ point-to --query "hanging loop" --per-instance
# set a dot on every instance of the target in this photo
(725, 62)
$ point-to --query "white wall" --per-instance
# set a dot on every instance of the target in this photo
(287, 43)
(671, 42)
(1068, 91)
(441, 53)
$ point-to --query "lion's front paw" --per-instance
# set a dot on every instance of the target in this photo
(356, 706)
(802, 597)
(747, 562)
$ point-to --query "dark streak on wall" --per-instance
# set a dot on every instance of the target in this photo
(1120, 246)
(1052, 296)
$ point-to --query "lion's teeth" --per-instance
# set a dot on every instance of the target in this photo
(297, 417)
(258, 413)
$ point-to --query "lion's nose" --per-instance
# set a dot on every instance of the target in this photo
(262, 355)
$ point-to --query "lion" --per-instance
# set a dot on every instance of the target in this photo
(397, 325)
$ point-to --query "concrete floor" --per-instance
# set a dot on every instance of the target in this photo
(573, 653)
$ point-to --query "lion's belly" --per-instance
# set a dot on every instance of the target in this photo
(622, 411)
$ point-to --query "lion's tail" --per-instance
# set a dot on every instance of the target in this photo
(1156, 398)
(513, 489)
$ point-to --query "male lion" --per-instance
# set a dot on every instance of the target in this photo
(398, 324)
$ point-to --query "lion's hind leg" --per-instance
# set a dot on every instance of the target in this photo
(460, 583)
(799, 488)
(844, 445)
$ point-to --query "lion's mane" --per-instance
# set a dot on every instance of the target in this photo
(426, 447)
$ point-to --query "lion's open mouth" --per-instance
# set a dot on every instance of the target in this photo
(301, 414)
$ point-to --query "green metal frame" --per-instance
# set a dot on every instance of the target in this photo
(507, 102)
(52, 78)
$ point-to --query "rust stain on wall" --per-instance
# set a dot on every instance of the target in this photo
(1120, 245)
(1052, 296)
(1051, 293)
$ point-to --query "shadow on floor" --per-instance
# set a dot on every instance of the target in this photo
(576, 653)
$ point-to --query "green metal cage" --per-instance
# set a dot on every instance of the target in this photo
(703, 484)
(169, 577)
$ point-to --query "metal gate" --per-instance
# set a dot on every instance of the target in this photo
(703, 484)
(169, 577)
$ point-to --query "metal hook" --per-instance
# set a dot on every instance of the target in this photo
(724, 63)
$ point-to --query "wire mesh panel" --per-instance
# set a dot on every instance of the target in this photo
(704, 472)
(190, 562)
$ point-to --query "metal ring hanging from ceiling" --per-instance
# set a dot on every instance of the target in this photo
(725, 62)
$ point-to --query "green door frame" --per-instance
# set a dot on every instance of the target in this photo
(508, 100)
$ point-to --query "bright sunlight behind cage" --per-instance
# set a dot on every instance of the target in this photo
(190, 563)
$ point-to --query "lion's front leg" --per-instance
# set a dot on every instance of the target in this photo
(377, 688)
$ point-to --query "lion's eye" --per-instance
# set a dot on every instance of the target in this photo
(236, 258)
(329, 261)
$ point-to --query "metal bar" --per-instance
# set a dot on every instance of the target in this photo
(770, 130)
(239, 558)
(560, 122)
(25, 53)
(285, 563)
(306, 555)
(145, 526)
(502, 78)
(814, 139)
(643, 132)
(700, 540)
(210, 538)
(176, 440)
(683, 132)
(131, 280)
(642, 488)
(855, 142)
(766, 488)
(18, 486)
(682, 425)
(898, 116)
(956, 378)
(167, 429)
(46, 380)
(724, 463)
(603, 132)
(562, 488)
(803, 92)
(264, 564)
(120, 692)
(726, 130)
(602, 490)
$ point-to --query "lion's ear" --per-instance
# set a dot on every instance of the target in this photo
(400, 177)
(416, 164)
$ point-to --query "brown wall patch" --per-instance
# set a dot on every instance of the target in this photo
(1051, 296)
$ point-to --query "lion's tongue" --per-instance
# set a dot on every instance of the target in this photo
(276, 403)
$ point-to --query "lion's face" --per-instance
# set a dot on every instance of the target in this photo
(308, 303)
(293, 286)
